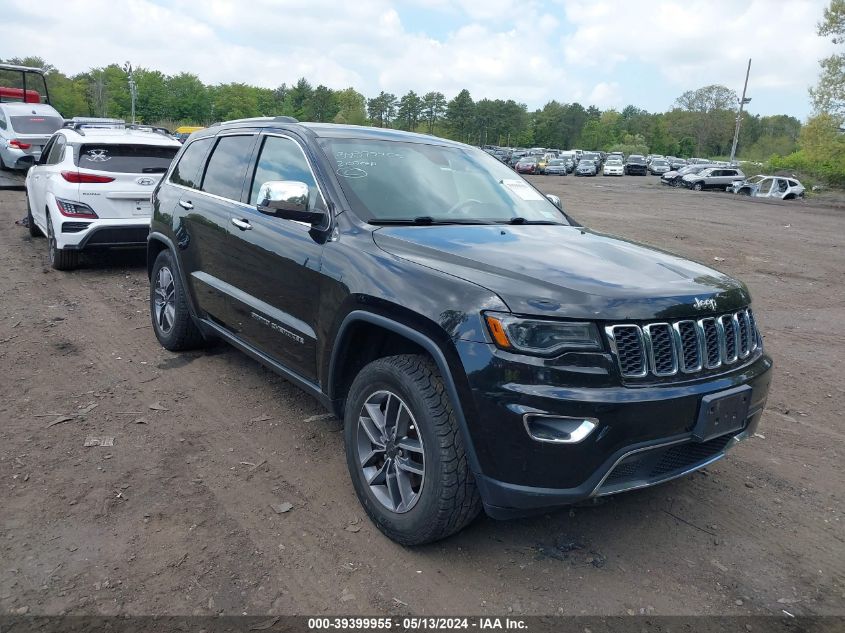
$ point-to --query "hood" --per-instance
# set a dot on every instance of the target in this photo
(567, 271)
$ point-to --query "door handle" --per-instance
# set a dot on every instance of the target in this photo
(186, 204)
(243, 225)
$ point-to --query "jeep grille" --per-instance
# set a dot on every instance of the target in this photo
(688, 346)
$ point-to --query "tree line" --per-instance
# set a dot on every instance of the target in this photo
(701, 123)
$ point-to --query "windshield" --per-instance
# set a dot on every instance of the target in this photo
(390, 181)
(659, 162)
(636, 159)
(613, 161)
(556, 161)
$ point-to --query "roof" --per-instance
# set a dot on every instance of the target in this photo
(331, 130)
(30, 69)
(119, 135)
(18, 108)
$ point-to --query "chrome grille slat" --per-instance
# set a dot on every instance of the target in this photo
(686, 346)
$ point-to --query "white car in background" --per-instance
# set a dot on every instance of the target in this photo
(24, 129)
(769, 187)
(613, 167)
(92, 187)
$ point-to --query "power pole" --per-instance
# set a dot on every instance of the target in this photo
(133, 88)
(742, 103)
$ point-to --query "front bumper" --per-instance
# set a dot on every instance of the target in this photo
(644, 434)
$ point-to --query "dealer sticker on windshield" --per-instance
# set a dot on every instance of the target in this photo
(522, 189)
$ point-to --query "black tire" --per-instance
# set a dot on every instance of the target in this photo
(173, 324)
(744, 192)
(447, 499)
(60, 258)
(698, 186)
(34, 231)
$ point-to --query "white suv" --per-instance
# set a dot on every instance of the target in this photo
(92, 186)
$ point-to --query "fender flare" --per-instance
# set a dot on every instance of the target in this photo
(429, 346)
(155, 236)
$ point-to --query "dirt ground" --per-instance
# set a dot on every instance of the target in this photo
(176, 517)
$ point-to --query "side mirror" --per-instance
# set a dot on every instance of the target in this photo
(555, 200)
(288, 199)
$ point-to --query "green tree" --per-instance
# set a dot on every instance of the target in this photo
(460, 116)
(187, 99)
(409, 111)
(829, 93)
(382, 108)
(323, 105)
(297, 97)
(433, 109)
(352, 107)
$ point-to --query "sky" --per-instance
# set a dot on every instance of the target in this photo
(607, 53)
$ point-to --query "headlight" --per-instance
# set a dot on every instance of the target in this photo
(541, 337)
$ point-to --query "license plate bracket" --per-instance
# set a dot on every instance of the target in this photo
(722, 412)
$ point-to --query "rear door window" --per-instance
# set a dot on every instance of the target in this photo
(36, 124)
(125, 158)
(226, 170)
(57, 151)
(187, 171)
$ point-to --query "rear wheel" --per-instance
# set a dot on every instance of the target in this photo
(60, 258)
(172, 322)
(405, 452)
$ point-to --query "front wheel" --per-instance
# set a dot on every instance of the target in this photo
(698, 186)
(405, 452)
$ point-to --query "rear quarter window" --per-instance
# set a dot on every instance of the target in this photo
(36, 124)
(125, 158)
(187, 171)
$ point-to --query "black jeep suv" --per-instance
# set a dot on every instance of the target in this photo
(482, 348)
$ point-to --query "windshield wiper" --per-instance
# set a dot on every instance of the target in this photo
(520, 220)
(424, 220)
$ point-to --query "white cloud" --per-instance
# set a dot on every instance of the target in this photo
(605, 95)
(694, 43)
(532, 51)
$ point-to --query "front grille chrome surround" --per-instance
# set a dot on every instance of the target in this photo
(664, 349)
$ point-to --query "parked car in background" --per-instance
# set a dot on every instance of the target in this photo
(515, 158)
(636, 165)
(586, 167)
(712, 178)
(527, 165)
(677, 163)
(184, 131)
(613, 166)
(91, 188)
(674, 178)
(593, 156)
(557, 167)
(24, 130)
(658, 166)
(769, 187)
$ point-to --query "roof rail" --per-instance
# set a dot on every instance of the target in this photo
(149, 128)
(275, 119)
(77, 123)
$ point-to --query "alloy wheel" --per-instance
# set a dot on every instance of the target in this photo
(390, 451)
(165, 300)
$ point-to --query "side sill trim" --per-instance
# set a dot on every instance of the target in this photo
(311, 388)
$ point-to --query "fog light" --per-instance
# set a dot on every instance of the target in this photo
(558, 429)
